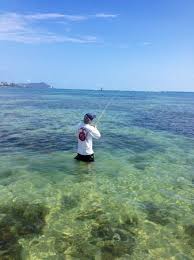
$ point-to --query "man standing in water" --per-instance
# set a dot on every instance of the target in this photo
(85, 132)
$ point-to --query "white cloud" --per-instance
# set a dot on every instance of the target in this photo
(48, 16)
(21, 28)
(11, 22)
(103, 15)
(34, 37)
(72, 18)
(146, 43)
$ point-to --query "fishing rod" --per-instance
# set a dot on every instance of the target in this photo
(104, 110)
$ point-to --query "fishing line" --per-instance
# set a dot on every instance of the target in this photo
(104, 110)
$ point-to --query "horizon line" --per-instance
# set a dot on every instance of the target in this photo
(127, 90)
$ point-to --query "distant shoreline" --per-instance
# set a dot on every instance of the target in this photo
(38, 85)
(45, 86)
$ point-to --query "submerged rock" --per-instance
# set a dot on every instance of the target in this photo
(90, 214)
(103, 231)
(114, 239)
(9, 248)
(19, 220)
(69, 202)
(141, 166)
(106, 238)
(189, 230)
(7, 173)
(140, 161)
(117, 248)
(156, 214)
(129, 221)
(74, 245)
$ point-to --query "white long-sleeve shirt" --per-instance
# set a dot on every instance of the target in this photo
(85, 146)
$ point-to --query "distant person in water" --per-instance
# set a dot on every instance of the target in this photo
(85, 132)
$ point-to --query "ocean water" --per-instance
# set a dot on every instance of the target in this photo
(136, 201)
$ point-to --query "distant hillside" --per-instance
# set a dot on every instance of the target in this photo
(41, 85)
(35, 85)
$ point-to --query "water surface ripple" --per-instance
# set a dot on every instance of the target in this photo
(136, 201)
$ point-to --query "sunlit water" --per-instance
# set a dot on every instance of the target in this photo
(136, 201)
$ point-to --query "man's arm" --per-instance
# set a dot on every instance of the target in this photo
(94, 132)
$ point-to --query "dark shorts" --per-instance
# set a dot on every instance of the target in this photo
(85, 158)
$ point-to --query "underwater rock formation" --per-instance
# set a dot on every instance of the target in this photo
(156, 214)
(69, 202)
(102, 237)
(189, 230)
(17, 221)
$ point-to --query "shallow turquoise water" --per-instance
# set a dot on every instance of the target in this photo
(135, 202)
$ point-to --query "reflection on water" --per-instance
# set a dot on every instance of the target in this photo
(135, 202)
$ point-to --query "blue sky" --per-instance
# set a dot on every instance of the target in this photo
(113, 44)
